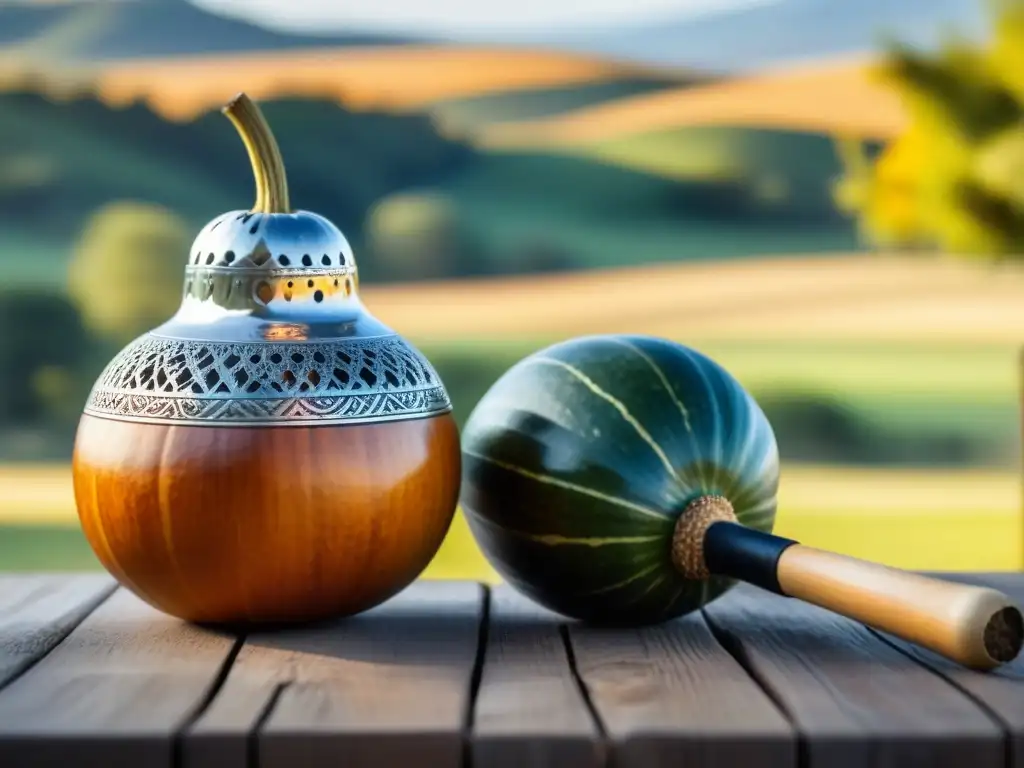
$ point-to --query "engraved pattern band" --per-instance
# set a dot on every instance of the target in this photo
(359, 380)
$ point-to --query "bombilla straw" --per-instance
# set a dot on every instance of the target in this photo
(978, 627)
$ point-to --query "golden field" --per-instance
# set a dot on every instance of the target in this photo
(941, 519)
(837, 298)
(834, 96)
(831, 97)
(386, 78)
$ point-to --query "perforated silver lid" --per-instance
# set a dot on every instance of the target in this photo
(270, 329)
(252, 276)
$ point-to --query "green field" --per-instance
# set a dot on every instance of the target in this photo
(761, 172)
(598, 209)
(927, 519)
(939, 421)
(862, 403)
(466, 114)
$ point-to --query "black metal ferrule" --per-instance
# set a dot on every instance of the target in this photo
(743, 553)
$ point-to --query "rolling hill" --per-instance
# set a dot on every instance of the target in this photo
(771, 134)
(586, 161)
(835, 97)
(471, 114)
(587, 156)
(61, 160)
(86, 31)
(739, 36)
(409, 77)
(776, 176)
(183, 60)
(767, 33)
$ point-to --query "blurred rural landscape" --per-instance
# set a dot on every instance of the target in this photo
(827, 196)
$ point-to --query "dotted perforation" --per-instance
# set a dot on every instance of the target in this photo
(300, 263)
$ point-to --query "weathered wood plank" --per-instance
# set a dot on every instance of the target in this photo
(856, 700)
(530, 710)
(390, 687)
(38, 611)
(113, 693)
(1001, 691)
(671, 695)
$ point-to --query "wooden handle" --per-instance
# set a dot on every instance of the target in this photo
(975, 626)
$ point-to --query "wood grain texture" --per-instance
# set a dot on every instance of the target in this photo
(38, 611)
(390, 687)
(964, 622)
(672, 696)
(113, 693)
(530, 710)
(217, 524)
(855, 699)
(1000, 691)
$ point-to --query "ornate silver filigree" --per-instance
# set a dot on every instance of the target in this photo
(159, 379)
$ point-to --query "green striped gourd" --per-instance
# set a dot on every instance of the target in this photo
(579, 461)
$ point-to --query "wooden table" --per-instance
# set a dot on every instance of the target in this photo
(456, 674)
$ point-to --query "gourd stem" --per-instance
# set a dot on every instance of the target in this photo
(264, 154)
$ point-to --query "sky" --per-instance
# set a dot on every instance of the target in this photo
(494, 18)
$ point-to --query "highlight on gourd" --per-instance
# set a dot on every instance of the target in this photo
(629, 480)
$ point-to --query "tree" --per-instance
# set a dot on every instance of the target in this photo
(42, 345)
(419, 236)
(127, 272)
(953, 180)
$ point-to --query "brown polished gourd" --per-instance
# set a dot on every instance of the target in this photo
(272, 453)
